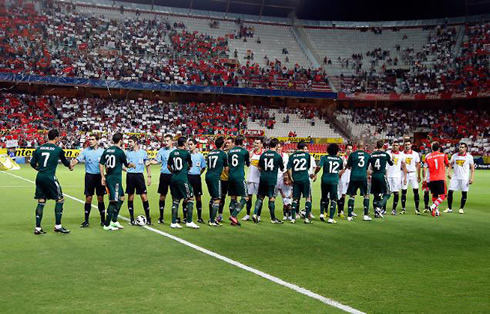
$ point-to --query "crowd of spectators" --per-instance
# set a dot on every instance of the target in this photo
(446, 126)
(59, 41)
(437, 67)
(27, 116)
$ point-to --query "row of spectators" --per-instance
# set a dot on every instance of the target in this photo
(62, 42)
(442, 125)
(435, 68)
(25, 115)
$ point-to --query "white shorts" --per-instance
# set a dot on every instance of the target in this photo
(342, 188)
(459, 185)
(395, 184)
(253, 188)
(411, 180)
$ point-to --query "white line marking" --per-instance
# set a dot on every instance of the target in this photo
(225, 259)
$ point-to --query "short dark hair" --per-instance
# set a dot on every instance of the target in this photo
(239, 140)
(464, 144)
(193, 140)
(349, 144)
(273, 142)
(395, 142)
(168, 136)
(261, 139)
(407, 141)
(301, 145)
(220, 141)
(134, 138)
(52, 134)
(181, 141)
(380, 144)
(333, 149)
(435, 146)
(116, 138)
(94, 135)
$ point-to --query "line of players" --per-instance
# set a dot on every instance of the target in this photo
(271, 173)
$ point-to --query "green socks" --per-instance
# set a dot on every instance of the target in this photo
(258, 204)
(366, 206)
(350, 206)
(190, 207)
(175, 209)
(110, 212)
(272, 209)
(295, 209)
(214, 211)
(308, 209)
(39, 214)
(58, 212)
(333, 208)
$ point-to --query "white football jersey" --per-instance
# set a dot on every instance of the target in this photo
(280, 174)
(395, 171)
(253, 171)
(461, 166)
(411, 158)
(345, 178)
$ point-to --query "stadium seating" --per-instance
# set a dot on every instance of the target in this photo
(471, 126)
(300, 124)
(131, 48)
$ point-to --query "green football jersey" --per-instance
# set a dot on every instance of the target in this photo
(216, 161)
(300, 163)
(180, 161)
(358, 162)
(45, 159)
(113, 158)
(378, 162)
(331, 168)
(238, 158)
(269, 163)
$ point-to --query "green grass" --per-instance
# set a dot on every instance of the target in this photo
(398, 264)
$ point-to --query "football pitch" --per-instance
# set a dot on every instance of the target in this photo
(404, 263)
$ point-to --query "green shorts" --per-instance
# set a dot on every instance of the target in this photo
(214, 187)
(181, 190)
(301, 188)
(379, 185)
(237, 188)
(48, 187)
(329, 191)
(114, 188)
(266, 189)
(357, 185)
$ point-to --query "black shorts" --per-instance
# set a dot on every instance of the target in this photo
(379, 185)
(357, 185)
(135, 181)
(196, 183)
(93, 184)
(437, 187)
(224, 188)
(164, 183)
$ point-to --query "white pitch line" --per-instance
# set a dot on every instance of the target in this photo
(225, 259)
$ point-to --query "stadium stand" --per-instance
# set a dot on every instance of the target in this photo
(471, 126)
(26, 115)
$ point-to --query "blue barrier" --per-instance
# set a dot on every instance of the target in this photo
(73, 81)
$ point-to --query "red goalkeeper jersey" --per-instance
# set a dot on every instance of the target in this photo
(436, 162)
